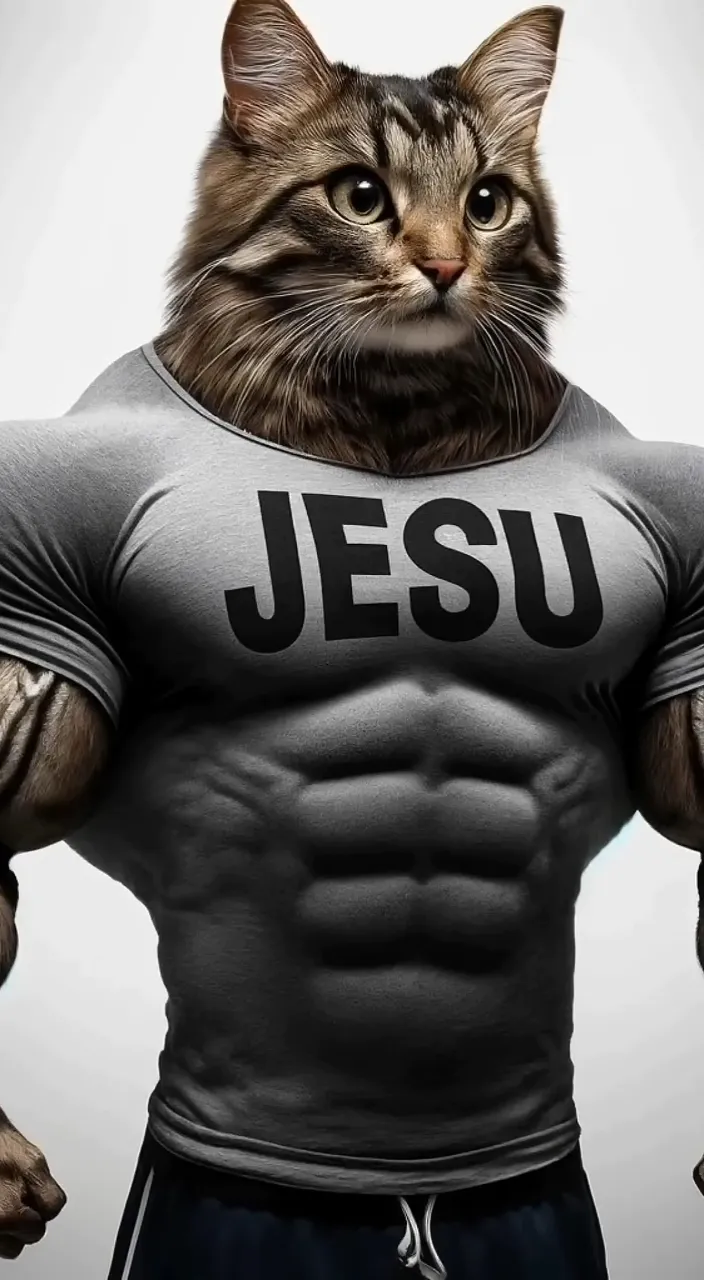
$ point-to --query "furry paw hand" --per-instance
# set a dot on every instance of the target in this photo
(29, 1196)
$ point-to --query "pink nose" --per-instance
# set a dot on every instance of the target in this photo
(442, 271)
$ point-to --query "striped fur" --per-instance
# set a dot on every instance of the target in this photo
(317, 332)
(54, 744)
(667, 763)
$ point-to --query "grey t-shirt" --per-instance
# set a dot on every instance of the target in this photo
(372, 729)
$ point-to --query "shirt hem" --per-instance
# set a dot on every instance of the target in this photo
(315, 1170)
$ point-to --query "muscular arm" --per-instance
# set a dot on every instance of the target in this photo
(54, 742)
(669, 778)
(669, 769)
(669, 783)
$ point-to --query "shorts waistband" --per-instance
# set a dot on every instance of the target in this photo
(548, 1182)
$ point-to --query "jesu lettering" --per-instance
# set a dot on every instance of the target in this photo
(340, 561)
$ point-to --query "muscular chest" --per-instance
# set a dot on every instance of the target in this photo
(297, 578)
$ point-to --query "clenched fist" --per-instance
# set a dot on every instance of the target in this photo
(29, 1196)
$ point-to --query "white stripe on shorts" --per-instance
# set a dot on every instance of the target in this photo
(138, 1226)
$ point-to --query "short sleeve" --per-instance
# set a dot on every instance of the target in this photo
(676, 664)
(54, 549)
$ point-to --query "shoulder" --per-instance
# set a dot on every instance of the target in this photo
(666, 476)
(119, 432)
(87, 469)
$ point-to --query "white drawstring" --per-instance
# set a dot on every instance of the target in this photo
(411, 1247)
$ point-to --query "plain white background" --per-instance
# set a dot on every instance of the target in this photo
(104, 110)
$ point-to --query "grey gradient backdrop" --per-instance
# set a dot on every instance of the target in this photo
(104, 109)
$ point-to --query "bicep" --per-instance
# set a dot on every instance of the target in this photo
(668, 779)
(54, 743)
(668, 770)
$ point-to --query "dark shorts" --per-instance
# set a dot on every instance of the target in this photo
(184, 1222)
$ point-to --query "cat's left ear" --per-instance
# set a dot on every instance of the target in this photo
(510, 75)
(271, 65)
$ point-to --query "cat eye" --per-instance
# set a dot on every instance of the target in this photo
(489, 205)
(359, 196)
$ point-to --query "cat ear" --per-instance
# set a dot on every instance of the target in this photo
(270, 62)
(511, 73)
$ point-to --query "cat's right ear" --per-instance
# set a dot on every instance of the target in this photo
(272, 65)
(510, 75)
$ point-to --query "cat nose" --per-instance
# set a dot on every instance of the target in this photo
(442, 271)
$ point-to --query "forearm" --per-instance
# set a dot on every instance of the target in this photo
(8, 907)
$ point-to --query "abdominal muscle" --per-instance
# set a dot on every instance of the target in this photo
(322, 993)
(374, 941)
(404, 942)
(364, 925)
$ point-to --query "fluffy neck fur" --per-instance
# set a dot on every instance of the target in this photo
(399, 413)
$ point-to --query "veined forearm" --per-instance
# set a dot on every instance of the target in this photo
(8, 907)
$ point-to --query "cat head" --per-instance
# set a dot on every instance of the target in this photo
(375, 211)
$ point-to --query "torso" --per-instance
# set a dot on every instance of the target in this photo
(358, 806)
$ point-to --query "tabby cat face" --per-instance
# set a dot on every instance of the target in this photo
(379, 211)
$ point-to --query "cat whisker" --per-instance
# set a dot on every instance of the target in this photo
(535, 320)
(523, 374)
(501, 365)
(333, 323)
(518, 350)
(523, 337)
(186, 294)
(289, 339)
(529, 310)
(276, 317)
(352, 346)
